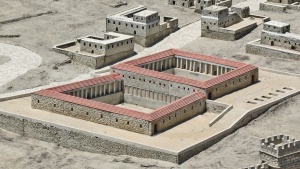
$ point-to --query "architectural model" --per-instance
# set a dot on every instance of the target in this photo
(280, 5)
(219, 23)
(200, 4)
(279, 152)
(97, 52)
(145, 25)
(276, 41)
(173, 82)
(132, 90)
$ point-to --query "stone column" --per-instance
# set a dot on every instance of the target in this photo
(114, 83)
(191, 65)
(200, 67)
(218, 70)
(181, 63)
(96, 91)
(205, 68)
(186, 64)
(221, 71)
(86, 93)
(153, 66)
(104, 88)
(120, 86)
(100, 91)
(109, 88)
(91, 92)
(194, 66)
(211, 69)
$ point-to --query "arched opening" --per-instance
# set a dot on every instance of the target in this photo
(134, 32)
(92, 51)
(201, 8)
(209, 96)
(272, 43)
(182, 4)
(174, 3)
(207, 27)
(117, 29)
(253, 79)
(293, 47)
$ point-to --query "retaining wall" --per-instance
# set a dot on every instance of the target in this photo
(256, 48)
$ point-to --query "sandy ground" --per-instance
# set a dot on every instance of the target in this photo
(75, 18)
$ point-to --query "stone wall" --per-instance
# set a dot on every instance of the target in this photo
(91, 114)
(282, 40)
(183, 3)
(232, 85)
(132, 28)
(108, 49)
(176, 117)
(113, 99)
(143, 101)
(272, 7)
(215, 107)
(256, 48)
(78, 139)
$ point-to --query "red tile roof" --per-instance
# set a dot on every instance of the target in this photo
(178, 104)
(130, 66)
(123, 111)
(182, 80)
(173, 52)
(86, 83)
(93, 104)
(159, 75)
(229, 75)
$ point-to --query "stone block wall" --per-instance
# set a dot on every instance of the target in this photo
(283, 40)
(132, 28)
(183, 3)
(233, 84)
(178, 116)
(271, 7)
(91, 114)
(78, 139)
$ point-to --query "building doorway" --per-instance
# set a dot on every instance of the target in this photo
(174, 2)
(272, 43)
(207, 27)
(155, 128)
(117, 29)
(253, 79)
(293, 47)
(209, 96)
(92, 51)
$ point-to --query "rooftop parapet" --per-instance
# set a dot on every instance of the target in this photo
(275, 26)
(280, 145)
(216, 11)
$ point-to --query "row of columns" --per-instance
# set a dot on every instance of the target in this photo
(197, 66)
(160, 65)
(150, 94)
(99, 90)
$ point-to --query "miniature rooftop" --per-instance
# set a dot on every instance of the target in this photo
(276, 23)
(128, 14)
(116, 38)
(239, 68)
(215, 8)
(146, 13)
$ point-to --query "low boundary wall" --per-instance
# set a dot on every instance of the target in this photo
(80, 139)
(256, 48)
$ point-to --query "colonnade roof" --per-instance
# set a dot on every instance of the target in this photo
(131, 66)
(86, 83)
(185, 54)
(181, 103)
